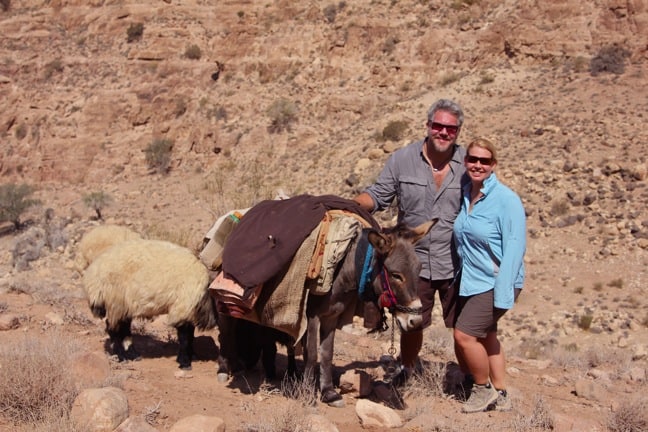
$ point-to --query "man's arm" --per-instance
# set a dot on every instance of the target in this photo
(365, 201)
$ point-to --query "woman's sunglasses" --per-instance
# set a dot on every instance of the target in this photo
(482, 160)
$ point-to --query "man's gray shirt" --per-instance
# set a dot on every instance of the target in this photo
(407, 177)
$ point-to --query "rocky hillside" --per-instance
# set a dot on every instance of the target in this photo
(311, 97)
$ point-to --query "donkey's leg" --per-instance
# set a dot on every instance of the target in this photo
(185, 340)
(228, 361)
(310, 341)
(327, 338)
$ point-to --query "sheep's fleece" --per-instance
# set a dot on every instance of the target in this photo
(146, 278)
(100, 238)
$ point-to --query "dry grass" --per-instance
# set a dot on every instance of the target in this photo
(300, 389)
(35, 384)
(288, 415)
(540, 419)
(630, 416)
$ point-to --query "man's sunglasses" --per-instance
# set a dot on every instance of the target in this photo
(438, 127)
(484, 161)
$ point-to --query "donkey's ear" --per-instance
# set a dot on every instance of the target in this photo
(383, 243)
(420, 231)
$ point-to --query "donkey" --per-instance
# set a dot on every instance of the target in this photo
(389, 275)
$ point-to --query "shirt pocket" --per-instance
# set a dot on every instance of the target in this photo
(412, 194)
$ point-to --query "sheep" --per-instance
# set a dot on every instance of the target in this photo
(100, 238)
(146, 278)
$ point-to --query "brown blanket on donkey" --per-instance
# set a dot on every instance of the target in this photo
(280, 300)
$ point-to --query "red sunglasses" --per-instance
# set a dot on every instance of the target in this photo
(438, 127)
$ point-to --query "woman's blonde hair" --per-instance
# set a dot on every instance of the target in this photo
(485, 144)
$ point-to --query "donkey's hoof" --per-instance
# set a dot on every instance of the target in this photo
(222, 377)
(333, 398)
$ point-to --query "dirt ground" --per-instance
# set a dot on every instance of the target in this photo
(83, 103)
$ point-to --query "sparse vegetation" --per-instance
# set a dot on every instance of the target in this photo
(52, 67)
(610, 59)
(14, 201)
(394, 130)
(158, 155)
(559, 207)
(449, 78)
(282, 113)
(97, 201)
(629, 416)
(35, 380)
(540, 419)
(616, 283)
(193, 52)
(330, 12)
(430, 381)
(134, 32)
(21, 131)
(585, 321)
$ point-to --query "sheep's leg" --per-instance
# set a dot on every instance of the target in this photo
(185, 340)
(121, 340)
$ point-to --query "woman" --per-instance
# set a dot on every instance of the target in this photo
(490, 233)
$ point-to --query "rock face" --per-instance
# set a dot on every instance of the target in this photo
(253, 96)
(87, 106)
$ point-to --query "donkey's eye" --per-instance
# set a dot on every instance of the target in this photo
(398, 277)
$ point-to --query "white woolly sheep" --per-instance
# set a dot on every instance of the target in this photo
(147, 278)
(100, 238)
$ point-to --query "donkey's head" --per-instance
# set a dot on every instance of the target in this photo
(398, 281)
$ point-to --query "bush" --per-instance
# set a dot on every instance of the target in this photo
(158, 155)
(35, 379)
(135, 32)
(97, 201)
(14, 201)
(609, 59)
(394, 130)
(193, 52)
(330, 12)
(282, 113)
(630, 416)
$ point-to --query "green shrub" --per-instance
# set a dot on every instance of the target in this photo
(97, 201)
(394, 130)
(21, 131)
(14, 201)
(158, 155)
(135, 32)
(330, 12)
(55, 66)
(616, 283)
(282, 113)
(449, 78)
(585, 321)
(193, 52)
(559, 208)
(610, 59)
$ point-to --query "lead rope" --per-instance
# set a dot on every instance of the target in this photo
(392, 349)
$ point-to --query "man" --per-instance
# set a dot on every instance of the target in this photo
(425, 178)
